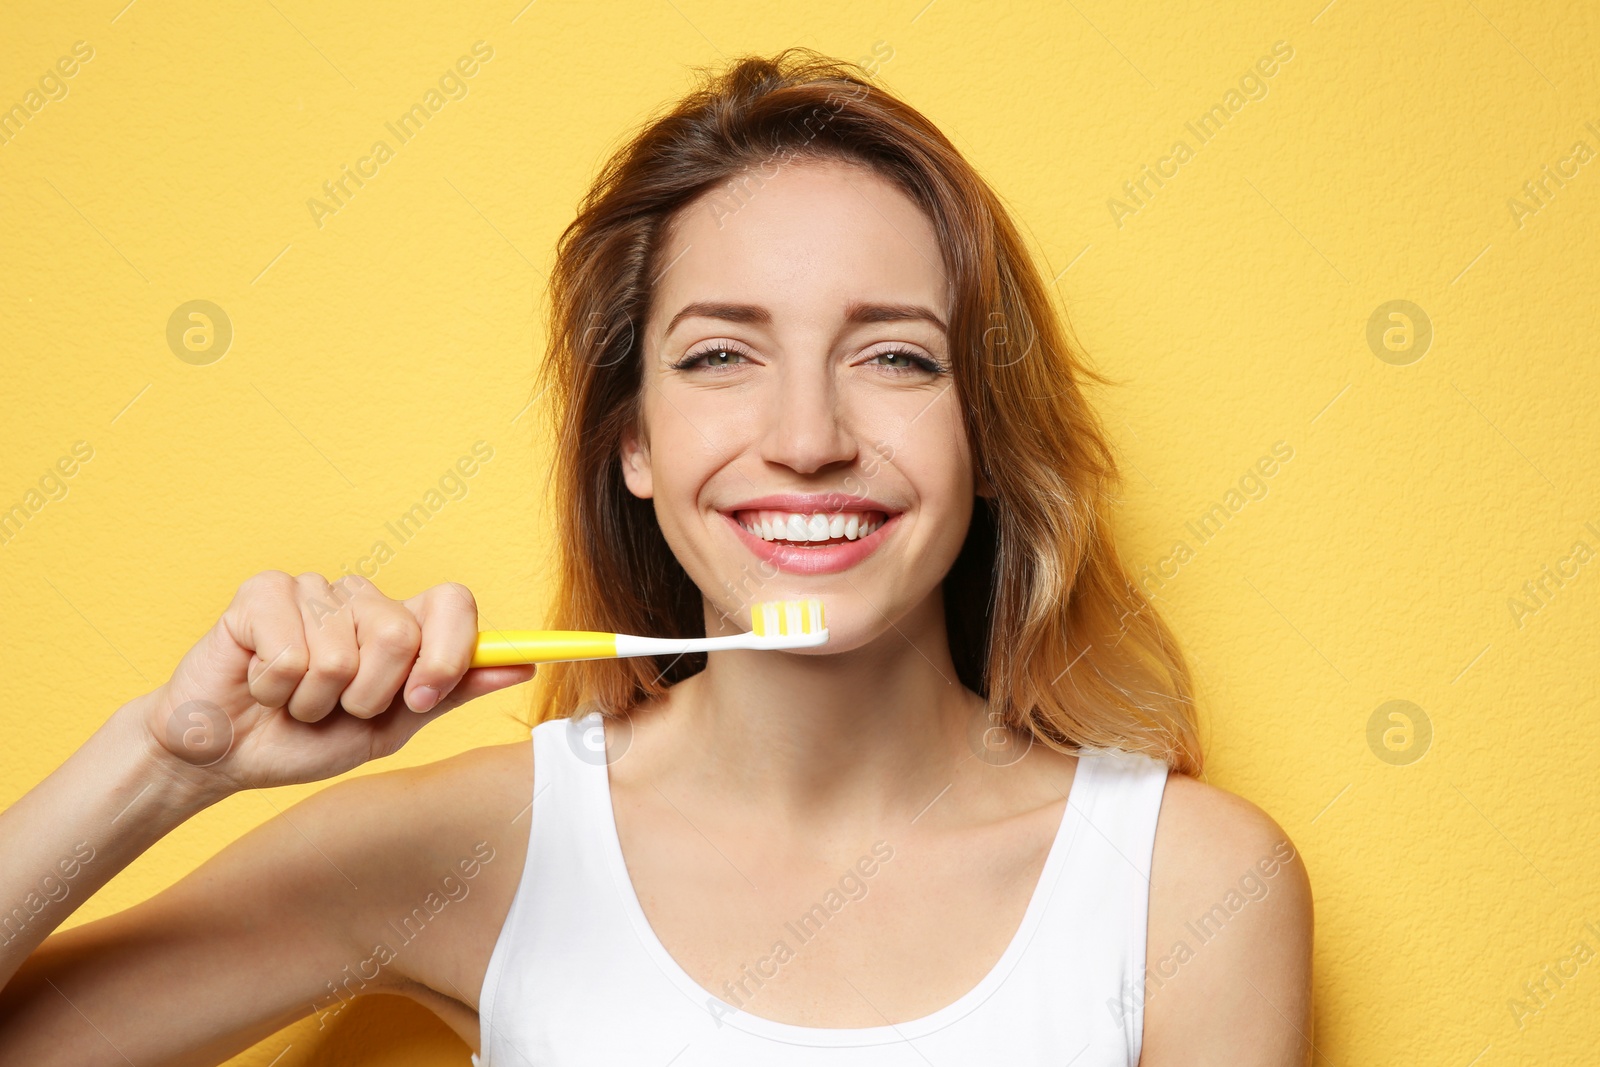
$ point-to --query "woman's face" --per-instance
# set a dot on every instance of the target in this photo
(801, 434)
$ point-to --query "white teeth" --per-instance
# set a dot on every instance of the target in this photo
(816, 526)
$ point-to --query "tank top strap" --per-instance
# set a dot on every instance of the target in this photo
(1122, 808)
(562, 909)
(1100, 909)
(571, 809)
(563, 748)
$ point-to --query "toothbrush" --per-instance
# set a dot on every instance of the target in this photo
(775, 624)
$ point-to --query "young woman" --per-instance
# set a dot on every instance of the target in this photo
(799, 350)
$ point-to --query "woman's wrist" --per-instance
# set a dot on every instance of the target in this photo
(169, 790)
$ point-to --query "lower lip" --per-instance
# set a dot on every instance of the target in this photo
(821, 559)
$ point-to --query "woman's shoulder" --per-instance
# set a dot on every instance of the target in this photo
(1230, 926)
(1210, 842)
(1201, 822)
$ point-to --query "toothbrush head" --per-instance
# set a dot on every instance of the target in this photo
(798, 622)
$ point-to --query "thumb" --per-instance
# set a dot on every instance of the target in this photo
(481, 681)
(401, 724)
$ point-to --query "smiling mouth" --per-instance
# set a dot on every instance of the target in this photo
(809, 529)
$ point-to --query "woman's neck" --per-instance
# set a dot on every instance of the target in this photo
(856, 737)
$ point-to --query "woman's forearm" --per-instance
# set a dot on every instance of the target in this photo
(91, 817)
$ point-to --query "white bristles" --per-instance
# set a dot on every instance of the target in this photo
(774, 624)
(787, 618)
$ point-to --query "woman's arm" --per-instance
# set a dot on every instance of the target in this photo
(95, 814)
(1228, 961)
(287, 922)
(297, 682)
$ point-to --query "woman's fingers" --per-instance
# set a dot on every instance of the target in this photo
(319, 646)
(313, 647)
(449, 618)
(388, 636)
(264, 618)
(330, 637)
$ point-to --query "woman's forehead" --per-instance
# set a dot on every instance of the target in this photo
(801, 239)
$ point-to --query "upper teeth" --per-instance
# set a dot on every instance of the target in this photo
(816, 526)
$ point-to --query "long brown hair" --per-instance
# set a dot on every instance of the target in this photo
(1043, 620)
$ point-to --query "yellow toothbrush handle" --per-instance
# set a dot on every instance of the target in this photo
(501, 648)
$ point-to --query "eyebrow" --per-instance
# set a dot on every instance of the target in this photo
(754, 314)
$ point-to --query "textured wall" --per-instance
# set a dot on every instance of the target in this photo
(1424, 470)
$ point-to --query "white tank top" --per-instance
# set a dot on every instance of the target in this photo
(577, 976)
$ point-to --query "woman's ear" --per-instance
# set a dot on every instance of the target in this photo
(636, 465)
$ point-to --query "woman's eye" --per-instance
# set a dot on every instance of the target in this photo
(711, 357)
(899, 359)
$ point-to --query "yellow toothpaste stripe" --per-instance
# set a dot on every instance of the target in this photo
(787, 617)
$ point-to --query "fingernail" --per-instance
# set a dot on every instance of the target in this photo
(424, 697)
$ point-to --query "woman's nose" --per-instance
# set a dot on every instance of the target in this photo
(806, 430)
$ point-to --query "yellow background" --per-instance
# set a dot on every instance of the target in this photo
(371, 352)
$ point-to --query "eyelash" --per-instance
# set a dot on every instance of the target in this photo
(923, 363)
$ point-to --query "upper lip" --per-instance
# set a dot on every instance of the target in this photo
(811, 503)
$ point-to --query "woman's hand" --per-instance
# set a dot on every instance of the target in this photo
(302, 679)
